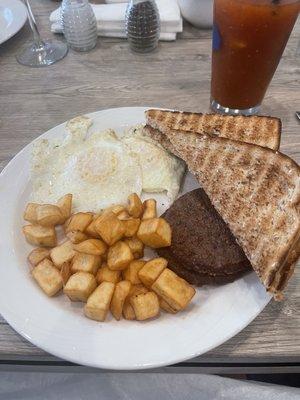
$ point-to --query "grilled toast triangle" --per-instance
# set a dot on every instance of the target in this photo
(257, 193)
(261, 130)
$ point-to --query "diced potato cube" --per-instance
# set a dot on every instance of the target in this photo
(149, 207)
(47, 277)
(95, 247)
(128, 311)
(174, 290)
(119, 256)
(86, 262)
(91, 229)
(62, 253)
(99, 301)
(79, 222)
(65, 272)
(110, 228)
(166, 307)
(80, 286)
(116, 209)
(138, 289)
(30, 212)
(136, 246)
(65, 205)
(155, 232)
(122, 290)
(40, 235)
(123, 215)
(151, 270)
(38, 255)
(48, 215)
(76, 236)
(135, 206)
(131, 226)
(105, 274)
(131, 272)
(145, 305)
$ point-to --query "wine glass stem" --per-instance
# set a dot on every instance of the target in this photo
(36, 35)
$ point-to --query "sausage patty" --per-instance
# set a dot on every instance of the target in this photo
(203, 249)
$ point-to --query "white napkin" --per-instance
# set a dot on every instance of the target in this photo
(165, 36)
(111, 19)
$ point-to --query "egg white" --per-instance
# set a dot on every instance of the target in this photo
(161, 171)
(99, 171)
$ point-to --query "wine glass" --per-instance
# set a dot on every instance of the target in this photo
(40, 53)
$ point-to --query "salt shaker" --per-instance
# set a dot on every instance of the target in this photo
(79, 24)
(142, 25)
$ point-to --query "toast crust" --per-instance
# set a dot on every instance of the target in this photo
(272, 252)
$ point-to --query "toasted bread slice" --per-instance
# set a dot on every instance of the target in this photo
(159, 137)
(257, 193)
(261, 130)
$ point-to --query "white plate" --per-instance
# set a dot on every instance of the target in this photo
(59, 327)
(13, 16)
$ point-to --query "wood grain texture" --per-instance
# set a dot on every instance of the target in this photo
(176, 76)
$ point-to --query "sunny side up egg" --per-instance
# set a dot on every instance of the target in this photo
(99, 170)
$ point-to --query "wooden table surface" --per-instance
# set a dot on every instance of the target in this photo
(176, 76)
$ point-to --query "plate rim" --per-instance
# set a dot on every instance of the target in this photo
(137, 366)
(15, 4)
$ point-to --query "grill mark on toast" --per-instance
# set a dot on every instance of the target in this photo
(240, 176)
(227, 159)
(264, 127)
(170, 120)
(205, 123)
(162, 118)
(225, 129)
(208, 158)
(197, 123)
(217, 124)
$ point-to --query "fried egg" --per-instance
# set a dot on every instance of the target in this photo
(161, 171)
(98, 170)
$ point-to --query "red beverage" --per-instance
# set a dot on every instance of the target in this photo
(248, 41)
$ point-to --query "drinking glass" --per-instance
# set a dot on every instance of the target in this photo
(249, 37)
(40, 53)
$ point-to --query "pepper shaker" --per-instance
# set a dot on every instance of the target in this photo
(142, 25)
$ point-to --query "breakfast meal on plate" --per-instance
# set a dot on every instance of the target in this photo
(100, 262)
(101, 163)
(210, 255)
(244, 217)
(255, 190)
